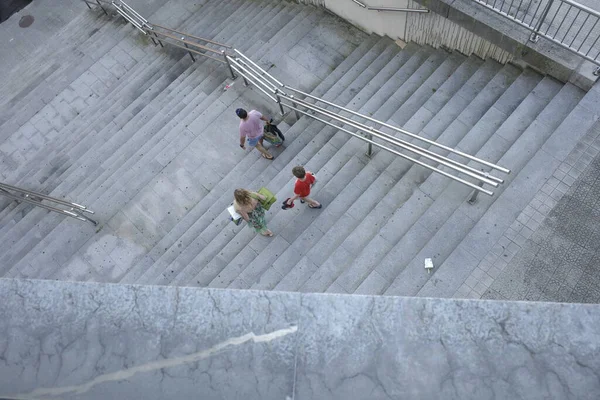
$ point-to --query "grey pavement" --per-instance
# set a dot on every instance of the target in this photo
(557, 238)
(72, 340)
(18, 44)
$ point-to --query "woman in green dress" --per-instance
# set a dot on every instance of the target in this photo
(247, 204)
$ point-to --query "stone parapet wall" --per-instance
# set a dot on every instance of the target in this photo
(94, 341)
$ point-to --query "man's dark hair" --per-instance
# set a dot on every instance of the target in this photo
(241, 113)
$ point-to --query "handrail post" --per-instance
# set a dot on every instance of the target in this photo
(474, 194)
(189, 52)
(156, 36)
(295, 106)
(100, 5)
(534, 35)
(279, 102)
(83, 217)
(154, 41)
(228, 64)
(369, 152)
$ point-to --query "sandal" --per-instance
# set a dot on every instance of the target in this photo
(319, 206)
(270, 234)
(265, 156)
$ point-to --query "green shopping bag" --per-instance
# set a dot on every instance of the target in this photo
(270, 198)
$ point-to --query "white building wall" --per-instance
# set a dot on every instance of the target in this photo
(422, 28)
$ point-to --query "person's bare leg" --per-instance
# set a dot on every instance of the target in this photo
(264, 151)
(311, 202)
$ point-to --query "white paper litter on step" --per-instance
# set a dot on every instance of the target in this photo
(428, 264)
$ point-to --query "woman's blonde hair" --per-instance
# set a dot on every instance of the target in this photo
(242, 196)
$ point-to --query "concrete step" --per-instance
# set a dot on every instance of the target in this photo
(210, 86)
(433, 188)
(128, 175)
(102, 110)
(346, 228)
(505, 135)
(327, 160)
(135, 97)
(60, 133)
(382, 105)
(37, 66)
(57, 165)
(186, 232)
(378, 103)
(562, 131)
(227, 200)
(272, 171)
(438, 122)
(208, 232)
(517, 157)
(23, 107)
(115, 53)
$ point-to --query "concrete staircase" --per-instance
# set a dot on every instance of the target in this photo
(153, 150)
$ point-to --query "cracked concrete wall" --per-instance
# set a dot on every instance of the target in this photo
(67, 340)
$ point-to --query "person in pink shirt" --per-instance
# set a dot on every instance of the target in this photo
(252, 129)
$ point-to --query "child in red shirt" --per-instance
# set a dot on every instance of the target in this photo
(302, 188)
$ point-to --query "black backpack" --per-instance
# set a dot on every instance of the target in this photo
(272, 134)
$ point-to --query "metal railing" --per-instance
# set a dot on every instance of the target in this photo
(566, 23)
(282, 95)
(285, 97)
(159, 34)
(367, 7)
(98, 3)
(72, 210)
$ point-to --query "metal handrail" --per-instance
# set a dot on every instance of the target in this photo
(265, 83)
(153, 30)
(259, 68)
(416, 10)
(124, 14)
(535, 23)
(258, 87)
(193, 51)
(465, 169)
(273, 89)
(413, 160)
(192, 36)
(185, 41)
(461, 168)
(123, 4)
(76, 210)
(405, 132)
(252, 76)
(363, 5)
